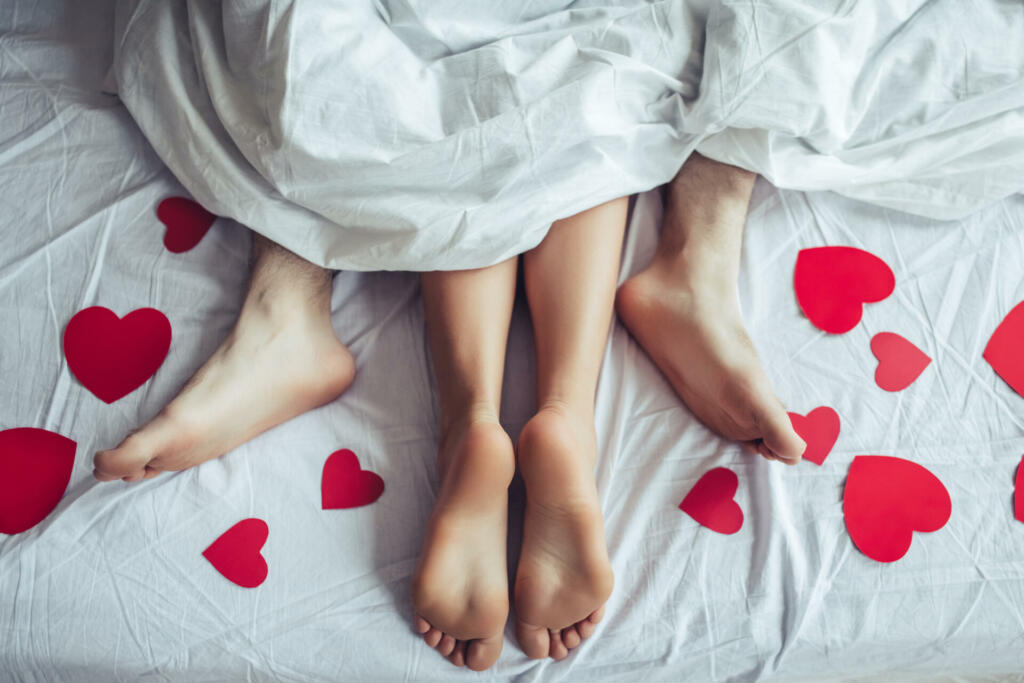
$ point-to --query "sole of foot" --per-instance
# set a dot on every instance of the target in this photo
(460, 590)
(694, 333)
(564, 576)
(269, 370)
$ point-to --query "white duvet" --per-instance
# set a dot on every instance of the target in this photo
(442, 134)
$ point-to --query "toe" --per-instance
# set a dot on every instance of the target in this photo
(119, 464)
(535, 641)
(585, 628)
(421, 625)
(482, 653)
(447, 645)
(778, 434)
(596, 616)
(558, 650)
(432, 637)
(571, 637)
(458, 655)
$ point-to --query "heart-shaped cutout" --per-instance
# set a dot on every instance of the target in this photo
(1018, 493)
(1005, 349)
(186, 221)
(35, 468)
(899, 361)
(344, 484)
(833, 283)
(236, 553)
(886, 500)
(819, 429)
(711, 503)
(112, 356)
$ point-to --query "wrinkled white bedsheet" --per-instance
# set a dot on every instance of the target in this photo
(443, 134)
(112, 586)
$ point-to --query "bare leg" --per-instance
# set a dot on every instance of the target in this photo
(564, 577)
(282, 359)
(460, 590)
(684, 311)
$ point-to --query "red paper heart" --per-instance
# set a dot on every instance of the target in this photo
(345, 485)
(887, 499)
(711, 503)
(236, 554)
(832, 284)
(1005, 349)
(113, 356)
(187, 223)
(819, 429)
(1018, 493)
(35, 467)
(899, 361)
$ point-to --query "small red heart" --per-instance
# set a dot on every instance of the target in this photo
(113, 356)
(345, 485)
(899, 361)
(832, 284)
(236, 553)
(1018, 493)
(711, 503)
(819, 429)
(187, 223)
(887, 499)
(35, 467)
(1005, 349)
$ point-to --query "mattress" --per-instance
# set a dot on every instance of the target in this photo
(112, 585)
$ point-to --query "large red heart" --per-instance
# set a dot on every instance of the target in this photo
(819, 429)
(899, 361)
(35, 467)
(711, 503)
(832, 284)
(113, 356)
(344, 484)
(1018, 493)
(1005, 349)
(187, 223)
(236, 553)
(887, 499)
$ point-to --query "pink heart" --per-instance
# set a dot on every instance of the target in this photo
(236, 553)
(887, 499)
(35, 467)
(833, 283)
(711, 503)
(186, 221)
(819, 429)
(344, 484)
(899, 361)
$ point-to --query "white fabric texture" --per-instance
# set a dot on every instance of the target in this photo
(441, 134)
(112, 586)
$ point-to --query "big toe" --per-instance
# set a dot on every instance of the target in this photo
(482, 653)
(778, 434)
(127, 461)
(535, 641)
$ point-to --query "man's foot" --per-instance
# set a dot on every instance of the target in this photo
(279, 362)
(564, 577)
(692, 329)
(460, 590)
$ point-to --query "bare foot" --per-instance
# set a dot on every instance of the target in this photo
(691, 328)
(460, 590)
(564, 577)
(280, 361)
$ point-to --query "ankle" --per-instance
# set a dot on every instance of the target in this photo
(468, 415)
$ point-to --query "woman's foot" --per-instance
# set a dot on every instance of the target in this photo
(692, 329)
(460, 590)
(281, 360)
(564, 577)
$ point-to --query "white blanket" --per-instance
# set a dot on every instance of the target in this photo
(112, 586)
(422, 135)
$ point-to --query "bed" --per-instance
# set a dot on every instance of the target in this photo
(112, 584)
